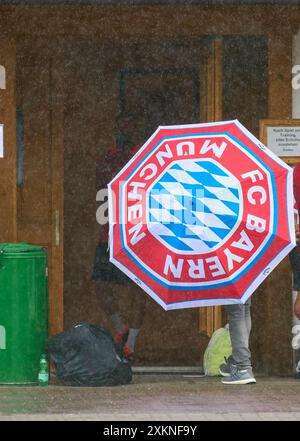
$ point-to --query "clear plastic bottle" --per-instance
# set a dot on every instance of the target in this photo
(44, 371)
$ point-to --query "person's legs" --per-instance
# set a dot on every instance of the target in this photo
(240, 370)
(295, 264)
(248, 318)
(239, 319)
(138, 305)
(297, 306)
(109, 281)
(136, 316)
(107, 295)
(225, 367)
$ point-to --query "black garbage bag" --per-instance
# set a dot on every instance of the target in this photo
(86, 355)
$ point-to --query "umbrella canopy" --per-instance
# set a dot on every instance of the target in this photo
(201, 215)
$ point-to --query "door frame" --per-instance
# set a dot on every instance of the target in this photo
(211, 317)
(56, 282)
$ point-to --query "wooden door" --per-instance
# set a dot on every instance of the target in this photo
(161, 83)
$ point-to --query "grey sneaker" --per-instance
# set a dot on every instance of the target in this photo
(224, 368)
(239, 376)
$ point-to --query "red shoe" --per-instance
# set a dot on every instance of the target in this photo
(128, 353)
(121, 337)
(132, 358)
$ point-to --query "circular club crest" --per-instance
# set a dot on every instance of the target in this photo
(194, 206)
(196, 214)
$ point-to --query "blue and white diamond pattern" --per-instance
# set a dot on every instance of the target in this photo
(194, 206)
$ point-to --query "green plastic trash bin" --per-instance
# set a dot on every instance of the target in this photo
(23, 311)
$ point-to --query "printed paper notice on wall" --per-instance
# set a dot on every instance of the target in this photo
(282, 137)
(1, 140)
(284, 141)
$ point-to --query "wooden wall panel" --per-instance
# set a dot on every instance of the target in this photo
(280, 75)
(155, 22)
(34, 200)
(8, 224)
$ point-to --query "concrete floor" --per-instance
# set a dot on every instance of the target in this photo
(154, 398)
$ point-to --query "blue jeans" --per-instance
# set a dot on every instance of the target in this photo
(239, 319)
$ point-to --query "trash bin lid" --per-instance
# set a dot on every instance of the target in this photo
(20, 247)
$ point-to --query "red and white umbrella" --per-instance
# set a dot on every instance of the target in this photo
(201, 215)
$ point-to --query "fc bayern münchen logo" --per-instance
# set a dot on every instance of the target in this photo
(194, 206)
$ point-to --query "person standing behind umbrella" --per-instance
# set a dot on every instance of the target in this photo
(109, 279)
(237, 368)
(295, 253)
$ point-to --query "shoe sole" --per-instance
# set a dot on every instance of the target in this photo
(224, 374)
(247, 381)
